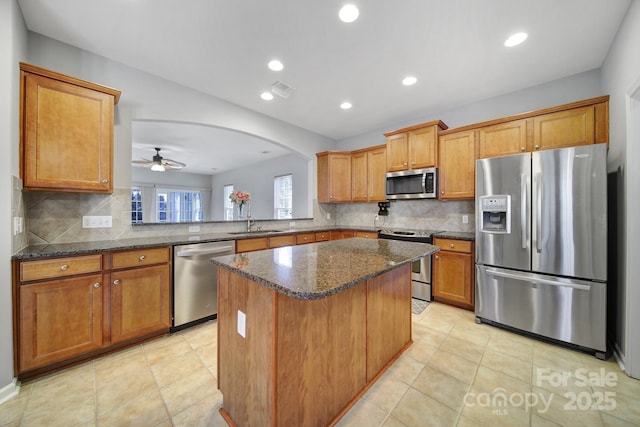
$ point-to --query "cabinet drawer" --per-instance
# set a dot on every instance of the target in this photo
(60, 267)
(279, 241)
(453, 245)
(140, 257)
(322, 236)
(366, 234)
(305, 238)
(248, 245)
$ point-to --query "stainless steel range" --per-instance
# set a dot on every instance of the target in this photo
(420, 270)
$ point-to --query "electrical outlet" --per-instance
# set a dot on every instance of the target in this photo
(92, 221)
(242, 324)
(328, 215)
(17, 225)
(465, 219)
(194, 229)
(292, 224)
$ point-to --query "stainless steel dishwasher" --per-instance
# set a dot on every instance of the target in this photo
(195, 286)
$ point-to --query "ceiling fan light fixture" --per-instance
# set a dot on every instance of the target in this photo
(157, 167)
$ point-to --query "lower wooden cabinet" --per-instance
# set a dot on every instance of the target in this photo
(59, 319)
(140, 302)
(453, 273)
(73, 308)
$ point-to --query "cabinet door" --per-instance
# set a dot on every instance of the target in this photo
(422, 148)
(376, 169)
(502, 139)
(59, 319)
(359, 176)
(453, 278)
(564, 128)
(67, 136)
(457, 165)
(398, 152)
(140, 302)
(334, 177)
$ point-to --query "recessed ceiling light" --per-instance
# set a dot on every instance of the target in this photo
(515, 39)
(409, 80)
(348, 13)
(345, 105)
(267, 96)
(275, 65)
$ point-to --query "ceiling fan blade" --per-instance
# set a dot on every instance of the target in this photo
(172, 164)
(142, 162)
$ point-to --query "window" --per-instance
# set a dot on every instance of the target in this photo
(178, 206)
(283, 196)
(227, 203)
(136, 205)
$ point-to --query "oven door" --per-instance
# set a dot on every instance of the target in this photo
(421, 279)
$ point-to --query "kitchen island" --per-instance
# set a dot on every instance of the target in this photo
(304, 331)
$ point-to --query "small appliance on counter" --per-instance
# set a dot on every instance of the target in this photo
(421, 269)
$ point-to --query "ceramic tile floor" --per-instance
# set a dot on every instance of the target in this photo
(456, 373)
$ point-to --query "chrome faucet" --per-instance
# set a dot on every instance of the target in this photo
(250, 223)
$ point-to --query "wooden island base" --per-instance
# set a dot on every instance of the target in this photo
(306, 362)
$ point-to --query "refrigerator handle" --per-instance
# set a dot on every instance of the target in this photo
(523, 209)
(539, 212)
(538, 280)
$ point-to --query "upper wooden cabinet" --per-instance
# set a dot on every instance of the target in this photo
(334, 176)
(66, 128)
(503, 139)
(564, 128)
(368, 168)
(414, 147)
(457, 165)
(568, 125)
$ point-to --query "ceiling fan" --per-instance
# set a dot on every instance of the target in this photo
(159, 163)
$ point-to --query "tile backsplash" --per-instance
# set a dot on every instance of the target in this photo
(57, 217)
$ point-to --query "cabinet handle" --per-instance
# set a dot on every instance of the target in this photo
(537, 146)
(413, 163)
(96, 285)
(142, 258)
(521, 148)
(451, 244)
(104, 181)
(64, 267)
(405, 163)
(437, 257)
(116, 282)
(442, 192)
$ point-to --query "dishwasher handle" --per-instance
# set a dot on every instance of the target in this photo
(208, 251)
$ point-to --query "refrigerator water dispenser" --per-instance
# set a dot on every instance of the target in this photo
(495, 214)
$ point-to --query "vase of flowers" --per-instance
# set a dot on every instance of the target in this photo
(240, 198)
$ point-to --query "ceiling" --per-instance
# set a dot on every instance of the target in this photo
(454, 47)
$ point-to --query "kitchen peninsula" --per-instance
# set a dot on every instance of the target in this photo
(304, 331)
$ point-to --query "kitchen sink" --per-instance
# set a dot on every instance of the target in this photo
(256, 232)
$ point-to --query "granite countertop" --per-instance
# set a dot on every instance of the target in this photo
(459, 235)
(77, 248)
(318, 270)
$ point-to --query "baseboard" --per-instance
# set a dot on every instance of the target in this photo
(9, 391)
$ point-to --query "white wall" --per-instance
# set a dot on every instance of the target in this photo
(620, 77)
(569, 89)
(13, 35)
(258, 181)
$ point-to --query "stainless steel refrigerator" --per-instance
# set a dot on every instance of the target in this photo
(541, 244)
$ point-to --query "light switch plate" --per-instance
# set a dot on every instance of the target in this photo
(242, 324)
(465, 219)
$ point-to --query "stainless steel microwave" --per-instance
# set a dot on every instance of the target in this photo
(413, 184)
